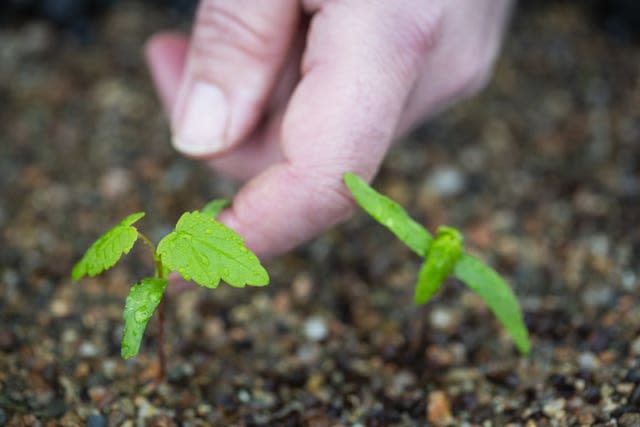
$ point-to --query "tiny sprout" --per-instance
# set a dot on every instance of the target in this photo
(199, 249)
(443, 255)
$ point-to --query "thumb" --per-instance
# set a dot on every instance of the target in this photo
(236, 51)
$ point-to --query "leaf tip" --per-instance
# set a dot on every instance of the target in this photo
(215, 206)
(524, 345)
(78, 272)
(262, 278)
(127, 353)
(421, 296)
(418, 300)
(350, 179)
(133, 218)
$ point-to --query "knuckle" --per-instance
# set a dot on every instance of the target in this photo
(421, 31)
(473, 73)
(219, 28)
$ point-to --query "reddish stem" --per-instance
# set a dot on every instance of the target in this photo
(160, 344)
(418, 329)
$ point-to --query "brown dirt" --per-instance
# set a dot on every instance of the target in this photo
(541, 172)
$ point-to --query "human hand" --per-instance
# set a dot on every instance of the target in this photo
(288, 95)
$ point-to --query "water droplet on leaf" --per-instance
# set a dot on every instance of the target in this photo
(142, 314)
(203, 259)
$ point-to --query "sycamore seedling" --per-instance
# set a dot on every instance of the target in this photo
(200, 249)
(443, 255)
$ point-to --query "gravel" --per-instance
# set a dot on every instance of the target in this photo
(540, 172)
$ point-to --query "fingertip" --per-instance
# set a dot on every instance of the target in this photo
(163, 41)
(251, 240)
(166, 55)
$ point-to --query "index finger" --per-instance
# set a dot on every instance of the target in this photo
(358, 69)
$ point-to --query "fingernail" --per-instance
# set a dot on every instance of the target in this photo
(201, 120)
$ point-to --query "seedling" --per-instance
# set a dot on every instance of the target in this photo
(199, 249)
(443, 255)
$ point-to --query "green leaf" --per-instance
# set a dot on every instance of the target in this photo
(390, 214)
(203, 250)
(142, 301)
(214, 207)
(497, 294)
(108, 249)
(441, 258)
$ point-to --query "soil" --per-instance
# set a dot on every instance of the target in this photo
(541, 171)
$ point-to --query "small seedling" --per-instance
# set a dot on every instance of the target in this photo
(199, 249)
(443, 255)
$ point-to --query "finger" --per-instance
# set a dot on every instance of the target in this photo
(341, 117)
(459, 66)
(262, 148)
(166, 54)
(236, 51)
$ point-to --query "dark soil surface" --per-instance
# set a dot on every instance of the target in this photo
(541, 172)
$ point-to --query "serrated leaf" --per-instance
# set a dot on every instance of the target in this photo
(444, 252)
(205, 251)
(497, 294)
(142, 301)
(105, 252)
(390, 214)
(214, 207)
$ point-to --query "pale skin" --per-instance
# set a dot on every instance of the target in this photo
(288, 95)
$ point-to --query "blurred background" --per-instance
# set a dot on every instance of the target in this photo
(541, 171)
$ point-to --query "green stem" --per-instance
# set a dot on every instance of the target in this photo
(149, 244)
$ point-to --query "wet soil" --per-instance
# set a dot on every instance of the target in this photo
(541, 171)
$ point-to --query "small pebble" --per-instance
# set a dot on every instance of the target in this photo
(441, 318)
(315, 383)
(446, 181)
(180, 372)
(629, 281)
(145, 408)
(244, 396)
(115, 183)
(315, 328)
(99, 395)
(401, 381)
(308, 353)
(213, 329)
(88, 349)
(586, 419)
(60, 308)
(96, 420)
(203, 409)
(597, 296)
(624, 388)
(554, 408)
(438, 408)
(161, 420)
(588, 361)
(635, 347)
(82, 370)
(302, 286)
(630, 419)
(109, 368)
